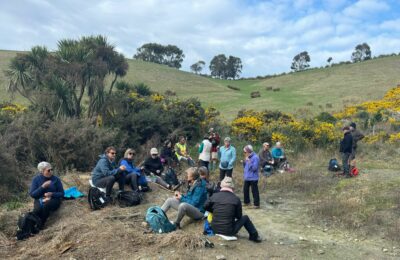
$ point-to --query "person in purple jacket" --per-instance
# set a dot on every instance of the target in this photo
(251, 164)
(47, 190)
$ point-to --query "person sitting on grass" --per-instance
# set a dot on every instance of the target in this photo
(168, 153)
(47, 190)
(153, 166)
(278, 155)
(210, 186)
(190, 204)
(266, 160)
(106, 172)
(133, 175)
(227, 212)
(182, 153)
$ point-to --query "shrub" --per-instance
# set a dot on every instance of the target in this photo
(309, 104)
(142, 89)
(268, 88)
(326, 117)
(276, 89)
(255, 94)
(169, 92)
(328, 105)
(233, 87)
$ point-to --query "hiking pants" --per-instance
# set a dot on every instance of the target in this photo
(132, 179)
(254, 190)
(189, 161)
(43, 211)
(248, 225)
(353, 153)
(223, 173)
(346, 163)
(183, 209)
(160, 181)
(203, 163)
(108, 183)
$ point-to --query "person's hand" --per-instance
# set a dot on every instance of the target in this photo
(46, 184)
(142, 167)
(122, 167)
(158, 171)
(46, 199)
(178, 195)
(197, 145)
(48, 194)
(241, 161)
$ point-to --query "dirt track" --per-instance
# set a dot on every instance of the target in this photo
(75, 232)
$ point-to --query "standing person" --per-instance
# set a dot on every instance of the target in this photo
(191, 204)
(227, 212)
(133, 175)
(357, 136)
(266, 160)
(182, 153)
(205, 152)
(106, 172)
(168, 155)
(47, 190)
(153, 166)
(215, 140)
(251, 166)
(227, 158)
(346, 148)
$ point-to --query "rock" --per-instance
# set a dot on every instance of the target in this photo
(221, 257)
(321, 252)
(303, 239)
(325, 230)
(385, 250)
(145, 224)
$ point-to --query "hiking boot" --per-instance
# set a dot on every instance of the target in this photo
(246, 205)
(255, 238)
(177, 225)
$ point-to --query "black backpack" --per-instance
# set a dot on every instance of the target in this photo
(28, 224)
(96, 198)
(170, 177)
(129, 198)
(333, 165)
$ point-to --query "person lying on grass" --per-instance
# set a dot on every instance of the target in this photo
(189, 204)
(227, 218)
(47, 190)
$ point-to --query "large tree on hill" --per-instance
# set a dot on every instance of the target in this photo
(361, 52)
(57, 82)
(300, 61)
(169, 55)
(224, 68)
(197, 67)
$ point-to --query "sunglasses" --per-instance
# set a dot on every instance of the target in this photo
(131, 153)
(49, 170)
(112, 153)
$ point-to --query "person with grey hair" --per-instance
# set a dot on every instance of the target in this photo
(227, 158)
(250, 176)
(47, 190)
(191, 203)
(266, 160)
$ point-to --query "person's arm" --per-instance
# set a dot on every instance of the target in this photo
(219, 153)
(253, 163)
(201, 147)
(128, 167)
(208, 205)
(105, 170)
(36, 191)
(59, 193)
(233, 158)
(238, 213)
(194, 197)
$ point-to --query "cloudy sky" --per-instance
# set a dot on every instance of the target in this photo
(266, 35)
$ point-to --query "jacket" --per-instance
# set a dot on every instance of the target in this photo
(226, 209)
(130, 168)
(36, 190)
(277, 153)
(227, 155)
(104, 168)
(251, 167)
(153, 164)
(346, 145)
(180, 150)
(196, 195)
(357, 136)
(265, 157)
(205, 150)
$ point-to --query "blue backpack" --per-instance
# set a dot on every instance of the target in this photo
(333, 165)
(158, 220)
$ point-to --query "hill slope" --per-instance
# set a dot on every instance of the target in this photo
(338, 86)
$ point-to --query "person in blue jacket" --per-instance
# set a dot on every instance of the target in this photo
(106, 172)
(250, 176)
(278, 155)
(47, 190)
(227, 158)
(133, 175)
(191, 203)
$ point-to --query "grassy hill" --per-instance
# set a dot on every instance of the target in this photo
(305, 92)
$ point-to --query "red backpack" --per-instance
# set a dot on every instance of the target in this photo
(354, 172)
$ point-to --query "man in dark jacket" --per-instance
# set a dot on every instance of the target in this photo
(346, 148)
(227, 212)
(357, 136)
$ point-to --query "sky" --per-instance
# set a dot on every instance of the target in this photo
(266, 35)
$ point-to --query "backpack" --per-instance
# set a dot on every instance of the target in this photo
(128, 198)
(158, 220)
(333, 165)
(170, 177)
(28, 224)
(96, 198)
(354, 171)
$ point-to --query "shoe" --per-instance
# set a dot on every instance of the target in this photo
(177, 225)
(255, 207)
(246, 205)
(256, 238)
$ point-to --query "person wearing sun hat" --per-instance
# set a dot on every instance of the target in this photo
(153, 166)
(227, 217)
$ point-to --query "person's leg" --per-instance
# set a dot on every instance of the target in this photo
(345, 162)
(120, 177)
(170, 203)
(248, 225)
(221, 174)
(48, 207)
(246, 195)
(206, 164)
(133, 181)
(255, 192)
(160, 181)
(188, 210)
(106, 182)
(229, 173)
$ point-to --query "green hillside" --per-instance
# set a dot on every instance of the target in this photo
(338, 86)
